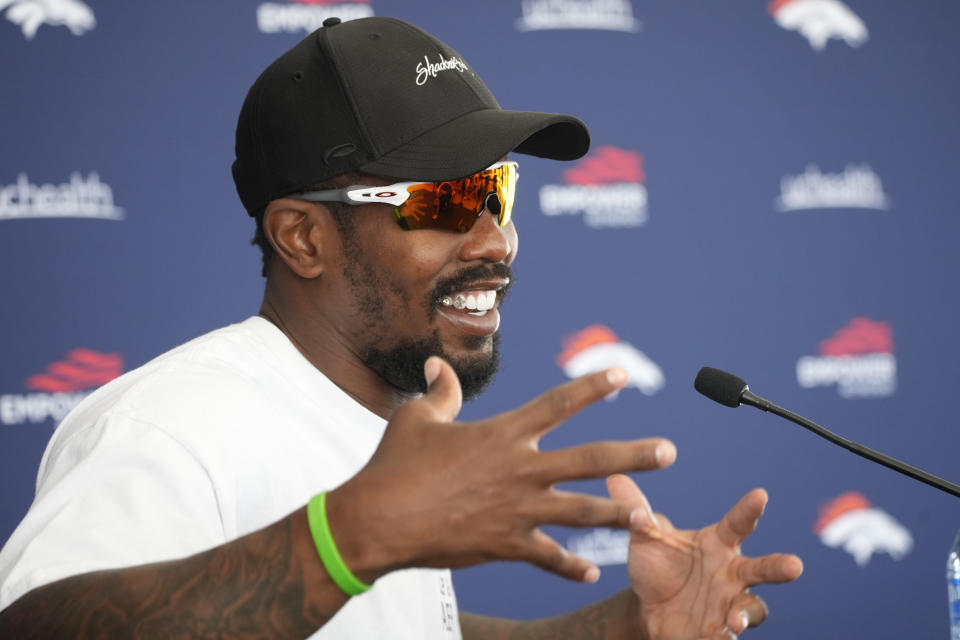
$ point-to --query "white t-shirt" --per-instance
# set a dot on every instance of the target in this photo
(208, 442)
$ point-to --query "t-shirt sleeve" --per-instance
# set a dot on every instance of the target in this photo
(121, 492)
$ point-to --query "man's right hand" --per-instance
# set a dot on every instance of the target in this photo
(439, 493)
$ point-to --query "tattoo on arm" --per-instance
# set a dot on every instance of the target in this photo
(264, 585)
(609, 619)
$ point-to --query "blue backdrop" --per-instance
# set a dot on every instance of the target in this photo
(771, 189)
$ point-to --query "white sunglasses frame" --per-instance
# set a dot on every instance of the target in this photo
(393, 194)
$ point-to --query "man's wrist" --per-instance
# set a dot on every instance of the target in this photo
(354, 533)
(635, 616)
(330, 556)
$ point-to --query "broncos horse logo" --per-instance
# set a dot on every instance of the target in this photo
(850, 522)
(597, 347)
(820, 20)
(30, 14)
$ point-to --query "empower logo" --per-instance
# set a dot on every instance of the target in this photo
(607, 187)
(819, 20)
(856, 187)
(30, 14)
(596, 348)
(610, 15)
(79, 198)
(308, 15)
(858, 358)
(850, 522)
(60, 388)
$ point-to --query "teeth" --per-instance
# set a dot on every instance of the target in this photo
(485, 300)
(479, 301)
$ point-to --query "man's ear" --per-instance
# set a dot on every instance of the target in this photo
(299, 232)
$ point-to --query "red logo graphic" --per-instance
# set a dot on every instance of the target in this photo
(850, 522)
(844, 503)
(860, 336)
(607, 165)
(582, 340)
(83, 369)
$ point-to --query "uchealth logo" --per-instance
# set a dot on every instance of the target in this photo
(607, 188)
(52, 394)
(609, 15)
(31, 14)
(596, 348)
(856, 187)
(851, 523)
(858, 358)
(307, 15)
(819, 20)
(78, 198)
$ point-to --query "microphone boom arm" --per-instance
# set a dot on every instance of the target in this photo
(891, 463)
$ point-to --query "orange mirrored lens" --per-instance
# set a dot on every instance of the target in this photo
(455, 205)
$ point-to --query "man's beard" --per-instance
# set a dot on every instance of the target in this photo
(402, 364)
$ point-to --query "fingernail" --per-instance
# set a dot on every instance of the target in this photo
(617, 375)
(640, 518)
(431, 369)
(744, 620)
(665, 453)
(591, 575)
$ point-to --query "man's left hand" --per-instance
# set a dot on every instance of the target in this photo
(694, 584)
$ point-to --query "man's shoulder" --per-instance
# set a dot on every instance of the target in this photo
(228, 361)
(195, 389)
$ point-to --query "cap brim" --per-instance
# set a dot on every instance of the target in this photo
(477, 139)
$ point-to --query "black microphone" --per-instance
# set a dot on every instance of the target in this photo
(731, 391)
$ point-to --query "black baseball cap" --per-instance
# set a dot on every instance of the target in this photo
(380, 96)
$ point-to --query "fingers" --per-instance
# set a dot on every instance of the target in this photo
(623, 489)
(444, 396)
(776, 567)
(747, 610)
(547, 554)
(579, 510)
(741, 520)
(599, 459)
(553, 407)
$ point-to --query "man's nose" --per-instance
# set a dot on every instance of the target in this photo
(487, 240)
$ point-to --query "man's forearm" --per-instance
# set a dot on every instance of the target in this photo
(612, 619)
(269, 583)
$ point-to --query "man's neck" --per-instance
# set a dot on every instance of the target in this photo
(319, 345)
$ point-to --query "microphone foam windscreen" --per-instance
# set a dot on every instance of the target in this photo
(720, 386)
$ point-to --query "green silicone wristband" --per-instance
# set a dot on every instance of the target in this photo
(323, 538)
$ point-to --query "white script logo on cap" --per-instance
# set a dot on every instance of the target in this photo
(427, 69)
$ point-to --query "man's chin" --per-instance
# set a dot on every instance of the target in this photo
(475, 363)
(476, 372)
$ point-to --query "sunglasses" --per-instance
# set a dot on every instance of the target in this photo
(452, 205)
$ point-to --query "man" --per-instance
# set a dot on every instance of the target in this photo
(256, 481)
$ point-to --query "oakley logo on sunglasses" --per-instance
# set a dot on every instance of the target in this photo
(379, 194)
(452, 205)
(427, 69)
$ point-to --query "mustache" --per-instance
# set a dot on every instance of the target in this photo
(469, 275)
